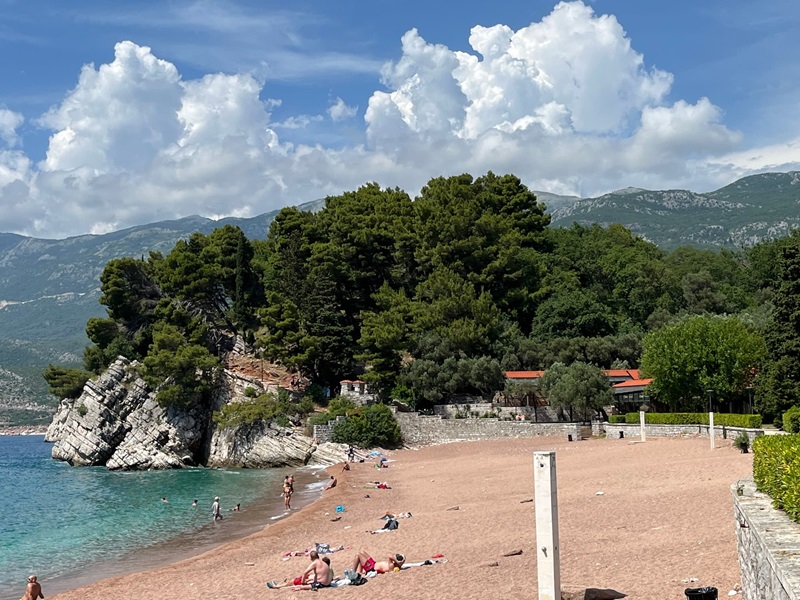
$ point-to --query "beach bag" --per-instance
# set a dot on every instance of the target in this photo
(391, 524)
(359, 580)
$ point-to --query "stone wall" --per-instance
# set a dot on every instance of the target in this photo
(627, 430)
(324, 433)
(421, 429)
(769, 546)
(543, 414)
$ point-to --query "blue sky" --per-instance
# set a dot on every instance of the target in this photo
(119, 113)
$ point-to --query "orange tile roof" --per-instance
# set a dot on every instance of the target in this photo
(621, 373)
(524, 374)
(634, 383)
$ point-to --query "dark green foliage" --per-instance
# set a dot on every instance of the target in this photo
(791, 420)
(720, 419)
(65, 383)
(264, 408)
(433, 298)
(776, 471)
(369, 427)
(185, 371)
(778, 387)
(580, 387)
(617, 419)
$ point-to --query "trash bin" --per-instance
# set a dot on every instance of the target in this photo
(703, 593)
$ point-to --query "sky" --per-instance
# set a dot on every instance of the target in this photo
(115, 114)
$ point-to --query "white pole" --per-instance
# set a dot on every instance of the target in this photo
(548, 559)
(641, 424)
(711, 428)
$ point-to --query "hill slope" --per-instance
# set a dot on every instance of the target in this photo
(740, 214)
(49, 289)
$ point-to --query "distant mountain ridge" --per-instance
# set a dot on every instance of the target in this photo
(49, 288)
(738, 215)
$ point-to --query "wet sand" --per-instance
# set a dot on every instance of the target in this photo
(665, 516)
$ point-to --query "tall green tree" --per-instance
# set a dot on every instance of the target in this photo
(489, 231)
(701, 353)
(579, 387)
(778, 386)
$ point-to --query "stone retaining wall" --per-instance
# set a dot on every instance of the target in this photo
(324, 433)
(630, 430)
(769, 546)
(422, 429)
(542, 414)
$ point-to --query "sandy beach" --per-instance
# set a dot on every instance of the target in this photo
(664, 518)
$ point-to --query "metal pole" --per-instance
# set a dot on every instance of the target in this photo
(548, 559)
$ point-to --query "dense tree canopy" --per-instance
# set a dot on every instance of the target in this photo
(435, 297)
(698, 354)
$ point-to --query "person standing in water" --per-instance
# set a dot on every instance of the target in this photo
(287, 494)
(216, 511)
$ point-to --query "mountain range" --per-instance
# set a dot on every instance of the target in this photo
(49, 288)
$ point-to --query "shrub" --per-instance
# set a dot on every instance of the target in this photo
(250, 392)
(82, 410)
(742, 441)
(266, 407)
(616, 419)
(791, 420)
(369, 427)
(776, 471)
(720, 419)
(778, 422)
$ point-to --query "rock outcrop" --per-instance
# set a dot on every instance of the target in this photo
(117, 422)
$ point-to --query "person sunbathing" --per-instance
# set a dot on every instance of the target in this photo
(364, 563)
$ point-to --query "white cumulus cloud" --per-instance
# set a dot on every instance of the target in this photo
(9, 122)
(339, 110)
(566, 103)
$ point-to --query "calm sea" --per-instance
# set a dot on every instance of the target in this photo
(72, 525)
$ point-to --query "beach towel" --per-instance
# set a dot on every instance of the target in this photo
(424, 563)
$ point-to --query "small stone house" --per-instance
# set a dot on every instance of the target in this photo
(357, 391)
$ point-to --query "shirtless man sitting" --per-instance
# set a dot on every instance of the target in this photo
(323, 575)
(33, 590)
(364, 563)
(314, 568)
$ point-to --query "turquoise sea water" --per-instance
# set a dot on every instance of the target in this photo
(73, 525)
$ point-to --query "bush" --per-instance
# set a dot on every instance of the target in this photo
(369, 427)
(82, 410)
(778, 422)
(616, 419)
(720, 419)
(742, 441)
(266, 407)
(250, 392)
(776, 471)
(791, 420)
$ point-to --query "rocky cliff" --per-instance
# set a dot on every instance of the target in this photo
(117, 422)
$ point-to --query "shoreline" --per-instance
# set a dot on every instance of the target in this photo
(23, 429)
(470, 502)
(254, 518)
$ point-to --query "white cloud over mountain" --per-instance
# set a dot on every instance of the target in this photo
(566, 103)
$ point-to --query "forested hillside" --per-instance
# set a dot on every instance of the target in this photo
(424, 299)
